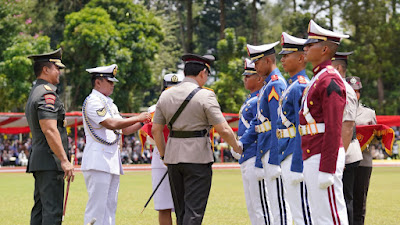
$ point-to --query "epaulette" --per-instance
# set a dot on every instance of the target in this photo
(47, 87)
(274, 77)
(302, 80)
(208, 89)
(330, 69)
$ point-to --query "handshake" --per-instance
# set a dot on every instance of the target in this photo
(237, 154)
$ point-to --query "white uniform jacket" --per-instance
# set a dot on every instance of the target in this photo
(96, 155)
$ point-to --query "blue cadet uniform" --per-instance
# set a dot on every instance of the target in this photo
(321, 117)
(289, 139)
(263, 130)
(247, 113)
(251, 186)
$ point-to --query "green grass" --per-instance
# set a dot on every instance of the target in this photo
(226, 204)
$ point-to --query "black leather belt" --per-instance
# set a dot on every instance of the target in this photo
(188, 134)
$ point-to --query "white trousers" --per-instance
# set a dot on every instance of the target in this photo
(296, 195)
(279, 207)
(102, 189)
(163, 197)
(255, 194)
(327, 205)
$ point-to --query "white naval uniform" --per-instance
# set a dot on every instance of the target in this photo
(162, 197)
(101, 164)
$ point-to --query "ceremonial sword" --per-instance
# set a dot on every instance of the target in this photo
(151, 196)
(66, 195)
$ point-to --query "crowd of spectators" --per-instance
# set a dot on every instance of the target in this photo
(14, 149)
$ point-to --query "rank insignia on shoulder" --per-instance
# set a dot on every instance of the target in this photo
(47, 87)
(101, 112)
(330, 69)
(49, 106)
(302, 80)
(274, 77)
(273, 94)
(50, 99)
(208, 89)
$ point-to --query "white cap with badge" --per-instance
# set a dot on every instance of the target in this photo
(108, 72)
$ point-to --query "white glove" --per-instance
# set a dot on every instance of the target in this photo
(235, 154)
(259, 172)
(325, 179)
(295, 177)
(273, 171)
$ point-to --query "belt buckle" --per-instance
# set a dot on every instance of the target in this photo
(290, 134)
(278, 133)
(300, 130)
(316, 128)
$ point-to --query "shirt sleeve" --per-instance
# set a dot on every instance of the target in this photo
(297, 158)
(350, 110)
(158, 117)
(96, 110)
(333, 103)
(273, 104)
(47, 107)
(213, 110)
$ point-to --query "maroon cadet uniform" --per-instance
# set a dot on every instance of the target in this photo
(326, 100)
(320, 126)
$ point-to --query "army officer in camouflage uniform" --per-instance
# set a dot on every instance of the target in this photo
(48, 160)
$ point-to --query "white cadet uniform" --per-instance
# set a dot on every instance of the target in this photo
(162, 197)
(101, 163)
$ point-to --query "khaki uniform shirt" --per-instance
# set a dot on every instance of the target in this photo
(365, 116)
(201, 112)
(353, 153)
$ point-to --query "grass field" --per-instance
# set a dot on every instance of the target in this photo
(226, 204)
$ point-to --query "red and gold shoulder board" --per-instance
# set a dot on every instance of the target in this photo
(274, 77)
(302, 80)
(208, 89)
(330, 69)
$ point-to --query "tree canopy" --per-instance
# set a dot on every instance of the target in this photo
(147, 37)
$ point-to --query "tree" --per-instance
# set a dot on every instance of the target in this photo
(16, 74)
(107, 32)
(229, 88)
(375, 33)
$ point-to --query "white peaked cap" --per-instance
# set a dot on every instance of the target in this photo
(174, 77)
(108, 72)
(291, 44)
(258, 51)
(249, 68)
(317, 34)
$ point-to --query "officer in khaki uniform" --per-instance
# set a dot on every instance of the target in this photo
(48, 158)
(365, 116)
(351, 145)
(188, 150)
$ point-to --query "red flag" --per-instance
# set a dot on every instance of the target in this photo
(366, 133)
(146, 131)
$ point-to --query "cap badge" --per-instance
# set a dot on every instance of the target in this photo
(282, 40)
(353, 80)
(174, 78)
(47, 87)
(115, 71)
